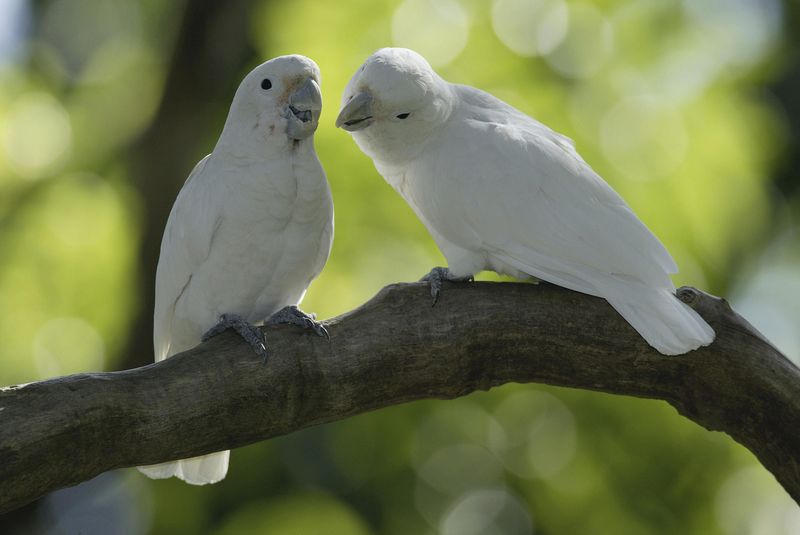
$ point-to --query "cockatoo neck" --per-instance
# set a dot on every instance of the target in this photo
(251, 133)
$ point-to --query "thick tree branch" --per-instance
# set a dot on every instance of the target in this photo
(395, 348)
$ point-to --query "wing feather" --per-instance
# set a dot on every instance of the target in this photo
(541, 205)
(186, 244)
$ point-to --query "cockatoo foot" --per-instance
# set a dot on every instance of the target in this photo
(292, 315)
(438, 275)
(251, 334)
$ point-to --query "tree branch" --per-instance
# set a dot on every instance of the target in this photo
(394, 349)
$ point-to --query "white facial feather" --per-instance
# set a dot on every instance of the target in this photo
(409, 101)
(262, 106)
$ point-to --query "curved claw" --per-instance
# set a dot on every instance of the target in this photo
(438, 275)
(436, 290)
(319, 329)
(292, 315)
(249, 332)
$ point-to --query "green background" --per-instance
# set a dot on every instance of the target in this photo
(690, 110)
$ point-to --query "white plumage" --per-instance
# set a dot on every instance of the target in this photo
(251, 227)
(498, 190)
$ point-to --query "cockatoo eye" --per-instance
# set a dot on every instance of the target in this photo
(403, 116)
(266, 83)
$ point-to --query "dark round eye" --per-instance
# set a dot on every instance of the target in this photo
(403, 116)
(266, 83)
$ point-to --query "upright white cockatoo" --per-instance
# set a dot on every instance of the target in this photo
(249, 231)
(500, 191)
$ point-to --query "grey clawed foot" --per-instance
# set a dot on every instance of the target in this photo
(249, 332)
(292, 315)
(438, 275)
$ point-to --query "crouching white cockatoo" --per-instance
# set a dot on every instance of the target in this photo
(500, 191)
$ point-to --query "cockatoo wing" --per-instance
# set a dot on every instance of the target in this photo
(186, 243)
(508, 185)
(523, 191)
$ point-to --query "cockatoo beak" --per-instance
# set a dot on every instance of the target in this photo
(305, 105)
(357, 113)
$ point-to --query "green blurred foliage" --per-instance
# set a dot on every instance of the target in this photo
(295, 515)
(668, 100)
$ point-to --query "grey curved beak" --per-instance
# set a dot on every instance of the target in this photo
(305, 105)
(357, 113)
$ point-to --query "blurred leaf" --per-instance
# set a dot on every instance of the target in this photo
(304, 514)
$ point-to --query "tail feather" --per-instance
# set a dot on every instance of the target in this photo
(665, 322)
(195, 471)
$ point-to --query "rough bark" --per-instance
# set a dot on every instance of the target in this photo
(394, 349)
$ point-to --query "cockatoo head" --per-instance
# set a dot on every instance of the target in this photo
(279, 97)
(394, 103)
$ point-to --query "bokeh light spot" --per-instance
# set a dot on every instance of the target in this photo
(530, 27)
(437, 29)
(766, 513)
(37, 133)
(587, 46)
(644, 138)
(76, 29)
(742, 30)
(449, 425)
(67, 345)
(494, 511)
(14, 25)
(769, 297)
(458, 468)
(539, 436)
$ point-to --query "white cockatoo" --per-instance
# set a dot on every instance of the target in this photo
(249, 231)
(500, 191)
